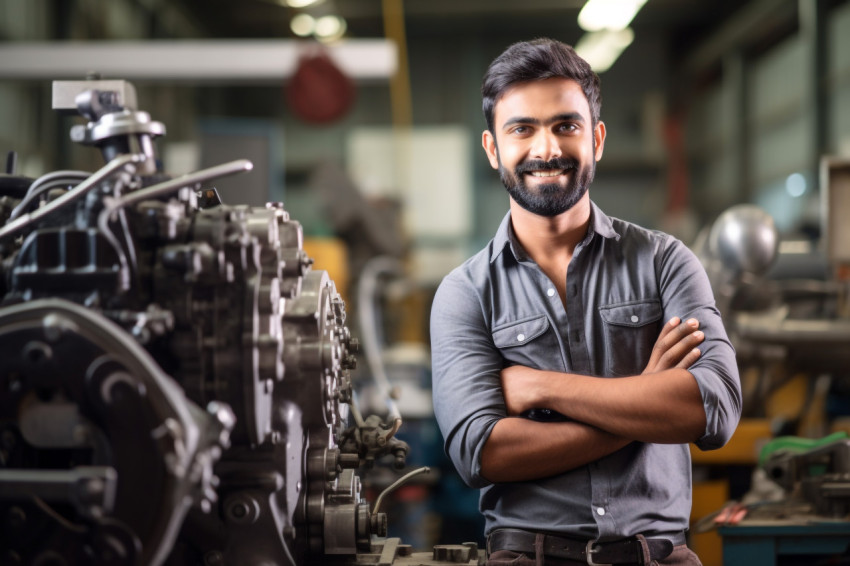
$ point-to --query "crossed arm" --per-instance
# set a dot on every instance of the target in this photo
(661, 405)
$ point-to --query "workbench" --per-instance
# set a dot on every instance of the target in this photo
(775, 542)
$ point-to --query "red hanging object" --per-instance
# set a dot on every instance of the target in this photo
(319, 92)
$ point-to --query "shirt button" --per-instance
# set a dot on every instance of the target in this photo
(550, 292)
(520, 337)
(600, 511)
(635, 318)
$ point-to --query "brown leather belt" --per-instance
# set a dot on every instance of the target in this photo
(625, 551)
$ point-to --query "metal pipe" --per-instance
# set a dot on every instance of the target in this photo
(22, 222)
(396, 484)
(168, 187)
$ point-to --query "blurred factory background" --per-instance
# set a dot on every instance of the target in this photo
(364, 118)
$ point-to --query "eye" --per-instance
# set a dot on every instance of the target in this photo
(567, 127)
(520, 130)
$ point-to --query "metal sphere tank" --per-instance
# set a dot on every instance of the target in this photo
(745, 239)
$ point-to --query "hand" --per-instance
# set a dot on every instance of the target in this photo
(520, 389)
(676, 346)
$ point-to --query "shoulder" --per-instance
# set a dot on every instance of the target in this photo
(462, 296)
(633, 240)
(630, 232)
(474, 273)
(636, 244)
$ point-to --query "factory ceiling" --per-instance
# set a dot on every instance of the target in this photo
(681, 21)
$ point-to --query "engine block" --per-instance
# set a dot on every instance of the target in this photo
(174, 376)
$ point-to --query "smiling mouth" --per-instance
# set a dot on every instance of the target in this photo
(548, 173)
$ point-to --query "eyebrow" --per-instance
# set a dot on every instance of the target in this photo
(565, 117)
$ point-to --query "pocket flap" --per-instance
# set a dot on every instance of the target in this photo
(520, 332)
(634, 313)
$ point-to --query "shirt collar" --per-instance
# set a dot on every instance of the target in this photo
(600, 223)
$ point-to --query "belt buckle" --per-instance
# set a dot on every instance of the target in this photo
(589, 551)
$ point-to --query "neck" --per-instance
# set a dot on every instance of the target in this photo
(543, 237)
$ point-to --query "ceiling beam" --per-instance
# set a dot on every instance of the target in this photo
(740, 30)
(225, 60)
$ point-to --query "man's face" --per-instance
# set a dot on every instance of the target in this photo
(544, 145)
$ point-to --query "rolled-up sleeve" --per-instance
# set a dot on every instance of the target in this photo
(468, 398)
(688, 294)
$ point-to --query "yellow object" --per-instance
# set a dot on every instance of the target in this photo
(331, 255)
(788, 400)
(708, 496)
(742, 448)
(400, 91)
(412, 313)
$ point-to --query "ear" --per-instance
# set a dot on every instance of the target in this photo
(599, 138)
(489, 144)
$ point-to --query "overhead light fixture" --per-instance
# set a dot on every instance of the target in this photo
(795, 185)
(301, 3)
(330, 28)
(601, 48)
(303, 25)
(615, 15)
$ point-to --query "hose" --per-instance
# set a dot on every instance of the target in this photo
(397, 483)
(369, 327)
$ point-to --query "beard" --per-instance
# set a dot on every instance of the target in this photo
(548, 199)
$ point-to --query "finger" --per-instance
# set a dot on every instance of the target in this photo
(689, 358)
(682, 348)
(676, 332)
(663, 342)
(668, 328)
(681, 332)
(689, 326)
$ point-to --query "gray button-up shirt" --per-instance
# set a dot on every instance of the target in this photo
(623, 283)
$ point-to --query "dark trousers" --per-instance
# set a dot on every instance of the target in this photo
(681, 556)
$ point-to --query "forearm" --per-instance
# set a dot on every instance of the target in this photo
(664, 407)
(520, 449)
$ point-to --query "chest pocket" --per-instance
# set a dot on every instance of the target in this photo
(631, 330)
(529, 342)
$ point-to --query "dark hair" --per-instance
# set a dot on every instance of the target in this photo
(537, 60)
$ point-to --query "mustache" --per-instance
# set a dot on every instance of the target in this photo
(538, 164)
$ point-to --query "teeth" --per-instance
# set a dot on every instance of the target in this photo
(547, 173)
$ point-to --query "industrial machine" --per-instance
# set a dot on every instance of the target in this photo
(174, 376)
(790, 336)
(812, 471)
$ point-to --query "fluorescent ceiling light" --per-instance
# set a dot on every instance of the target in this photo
(303, 25)
(601, 48)
(608, 14)
(301, 3)
(330, 28)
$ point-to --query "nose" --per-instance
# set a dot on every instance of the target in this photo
(545, 146)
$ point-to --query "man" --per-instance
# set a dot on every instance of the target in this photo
(575, 466)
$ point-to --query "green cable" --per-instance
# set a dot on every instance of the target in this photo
(797, 444)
